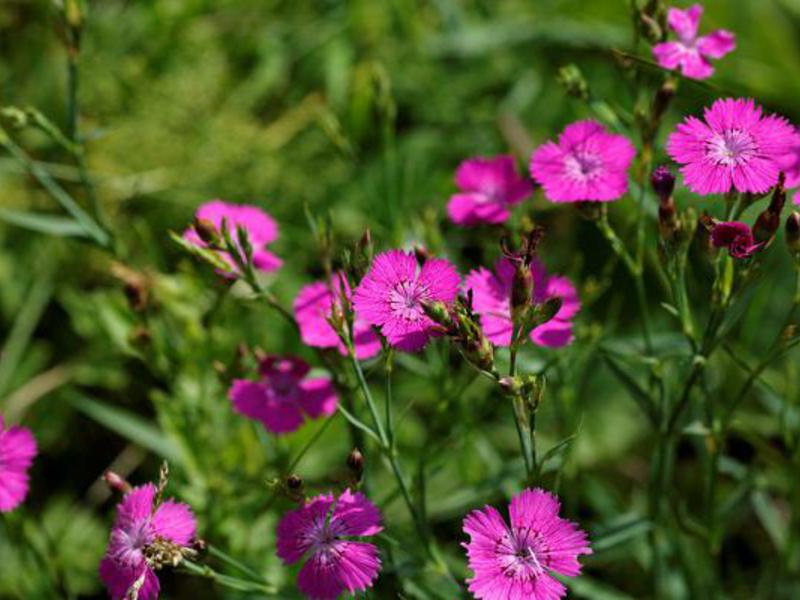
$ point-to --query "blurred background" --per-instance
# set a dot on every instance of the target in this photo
(359, 112)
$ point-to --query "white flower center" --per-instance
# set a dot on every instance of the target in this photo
(732, 147)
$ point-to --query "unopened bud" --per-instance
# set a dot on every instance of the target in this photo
(521, 291)
(294, 482)
(667, 219)
(116, 482)
(421, 253)
(664, 96)
(437, 312)
(479, 352)
(510, 385)
(206, 231)
(769, 220)
(663, 182)
(573, 81)
(355, 462)
(137, 295)
(793, 232)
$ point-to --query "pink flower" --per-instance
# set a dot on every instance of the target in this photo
(392, 293)
(488, 187)
(283, 395)
(322, 529)
(736, 148)
(313, 306)
(588, 163)
(261, 230)
(138, 526)
(518, 561)
(17, 450)
(737, 237)
(690, 53)
(790, 164)
(491, 299)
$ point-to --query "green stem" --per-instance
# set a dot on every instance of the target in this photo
(234, 583)
(228, 559)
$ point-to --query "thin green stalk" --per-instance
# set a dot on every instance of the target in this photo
(228, 559)
(524, 439)
(234, 583)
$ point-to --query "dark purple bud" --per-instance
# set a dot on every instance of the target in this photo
(355, 462)
(663, 182)
(793, 232)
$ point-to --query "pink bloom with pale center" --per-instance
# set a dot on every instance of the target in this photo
(735, 148)
(322, 531)
(587, 164)
(737, 237)
(690, 53)
(261, 230)
(488, 187)
(392, 293)
(313, 307)
(284, 396)
(17, 451)
(138, 525)
(491, 299)
(518, 562)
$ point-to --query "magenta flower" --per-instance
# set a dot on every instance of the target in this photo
(392, 293)
(587, 164)
(139, 528)
(489, 186)
(261, 230)
(518, 561)
(737, 237)
(322, 529)
(283, 395)
(313, 306)
(17, 450)
(690, 53)
(491, 299)
(789, 164)
(736, 148)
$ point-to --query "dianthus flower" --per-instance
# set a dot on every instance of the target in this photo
(392, 294)
(587, 164)
(145, 538)
(283, 395)
(517, 562)
(17, 450)
(736, 148)
(491, 299)
(488, 187)
(321, 530)
(737, 237)
(689, 52)
(260, 227)
(315, 304)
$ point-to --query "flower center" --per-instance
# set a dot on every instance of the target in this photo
(405, 300)
(522, 555)
(732, 147)
(582, 166)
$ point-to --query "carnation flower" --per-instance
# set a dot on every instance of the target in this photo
(392, 293)
(790, 164)
(488, 187)
(737, 237)
(144, 538)
(691, 53)
(491, 299)
(588, 163)
(17, 450)
(736, 148)
(519, 561)
(313, 307)
(260, 227)
(283, 395)
(321, 530)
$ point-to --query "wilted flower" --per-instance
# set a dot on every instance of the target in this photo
(322, 530)
(491, 299)
(737, 237)
(392, 294)
(690, 53)
(519, 561)
(736, 148)
(489, 186)
(283, 395)
(17, 450)
(587, 164)
(260, 227)
(314, 306)
(143, 539)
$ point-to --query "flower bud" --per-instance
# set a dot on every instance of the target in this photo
(116, 482)
(769, 220)
(667, 219)
(355, 462)
(480, 352)
(793, 232)
(663, 182)
(421, 253)
(664, 96)
(521, 291)
(510, 385)
(206, 231)
(437, 312)
(294, 482)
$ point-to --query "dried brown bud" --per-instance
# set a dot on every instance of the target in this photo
(206, 231)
